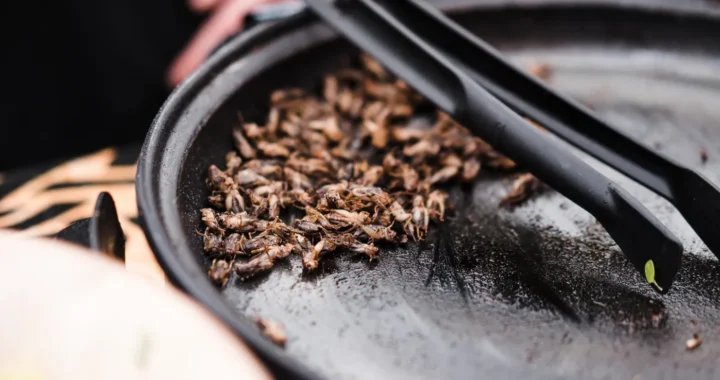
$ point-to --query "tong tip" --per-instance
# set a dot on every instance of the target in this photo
(698, 200)
(654, 251)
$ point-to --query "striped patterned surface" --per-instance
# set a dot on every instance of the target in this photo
(41, 201)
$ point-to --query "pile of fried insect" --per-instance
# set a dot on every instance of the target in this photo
(352, 168)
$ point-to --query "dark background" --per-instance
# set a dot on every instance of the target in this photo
(83, 74)
(80, 75)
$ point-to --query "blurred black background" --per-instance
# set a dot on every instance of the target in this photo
(79, 75)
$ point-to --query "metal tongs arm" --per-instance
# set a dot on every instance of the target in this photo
(642, 238)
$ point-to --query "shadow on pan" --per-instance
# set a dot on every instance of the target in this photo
(538, 291)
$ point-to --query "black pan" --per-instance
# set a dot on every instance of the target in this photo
(536, 292)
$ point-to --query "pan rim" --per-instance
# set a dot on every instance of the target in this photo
(148, 190)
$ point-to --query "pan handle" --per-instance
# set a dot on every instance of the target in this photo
(101, 232)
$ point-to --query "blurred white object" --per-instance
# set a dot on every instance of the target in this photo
(68, 313)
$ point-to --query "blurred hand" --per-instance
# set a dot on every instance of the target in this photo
(225, 19)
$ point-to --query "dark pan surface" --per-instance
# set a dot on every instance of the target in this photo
(541, 290)
(537, 292)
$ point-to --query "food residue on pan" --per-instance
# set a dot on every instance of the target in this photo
(272, 330)
(360, 168)
(540, 70)
(693, 343)
(524, 187)
(703, 155)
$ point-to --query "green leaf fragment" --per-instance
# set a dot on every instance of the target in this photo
(650, 273)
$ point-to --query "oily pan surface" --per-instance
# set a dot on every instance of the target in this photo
(360, 167)
(538, 291)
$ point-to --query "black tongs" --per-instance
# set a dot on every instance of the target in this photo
(697, 199)
(446, 65)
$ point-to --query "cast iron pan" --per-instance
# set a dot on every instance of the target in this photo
(536, 292)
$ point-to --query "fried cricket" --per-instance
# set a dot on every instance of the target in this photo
(356, 166)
